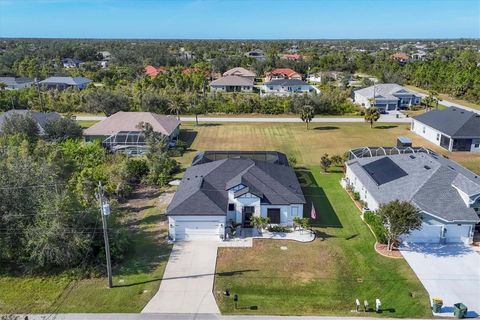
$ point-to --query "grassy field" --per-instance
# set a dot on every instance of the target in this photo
(324, 276)
(306, 145)
(447, 97)
(86, 123)
(135, 281)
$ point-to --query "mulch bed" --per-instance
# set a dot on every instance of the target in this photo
(382, 249)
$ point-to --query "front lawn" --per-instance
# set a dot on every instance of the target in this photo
(324, 276)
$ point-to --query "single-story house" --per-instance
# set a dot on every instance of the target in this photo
(154, 71)
(240, 72)
(232, 84)
(61, 83)
(400, 57)
(388, 96)
(292, 57)
(282, 73)
(454, 129)
(256, 54)
(13, 83)
(239, 185)
(71, 63)
(285, 87)
(446, 194)
(323, 76)
(41, 118)
(121, 130)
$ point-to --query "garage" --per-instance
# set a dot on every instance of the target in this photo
(456, 233)
(427, 234)
(197, 228)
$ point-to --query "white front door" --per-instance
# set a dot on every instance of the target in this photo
(197, 230)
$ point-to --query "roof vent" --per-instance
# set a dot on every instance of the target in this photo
(427, 167)
(452, 168)
(412, 157)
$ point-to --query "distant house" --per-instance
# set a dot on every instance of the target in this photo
(71, 63)
(400, 57)
(446, 194)
(121, 132)
(232, 84)
(292, 56)
(154, 71)
(221, 188)
(41, 118)
(13, 83)
(387, 96)
(286, 87)
(323, 76)
(453, 129)
(62, 83)
(282, 73)
(240, 72)
(256, 54)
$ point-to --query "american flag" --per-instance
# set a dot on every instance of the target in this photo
(313, 213)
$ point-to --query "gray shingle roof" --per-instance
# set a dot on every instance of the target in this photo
(452, 121)
(232, 81)
(204, 187)
(428, 184)
(12, 81)
(40, 117)
(384, 90)
(286, 82)
(239, 71)
(71, 81)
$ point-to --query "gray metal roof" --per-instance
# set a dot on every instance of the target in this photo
(428, 184)
(286, 82)
(204, 187)
(455, 122)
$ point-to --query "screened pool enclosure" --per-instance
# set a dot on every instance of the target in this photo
(128, 142)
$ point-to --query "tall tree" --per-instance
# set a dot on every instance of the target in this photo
(372, 115)
(307, 113)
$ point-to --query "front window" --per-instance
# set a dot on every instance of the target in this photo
(273, 215)
(231, 207)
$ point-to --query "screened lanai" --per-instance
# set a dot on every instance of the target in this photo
(129, 142)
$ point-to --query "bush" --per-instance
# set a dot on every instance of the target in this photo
(137, 169)
(373, 220)
(279, 229)
(356, 196)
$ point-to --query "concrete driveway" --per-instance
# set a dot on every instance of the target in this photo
(187, 283)
(450, 272)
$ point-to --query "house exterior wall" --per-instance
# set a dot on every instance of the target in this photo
(281, 90)
(215, 88)
(357, 186)
(475, 145)
(287, 212)
(426, 132)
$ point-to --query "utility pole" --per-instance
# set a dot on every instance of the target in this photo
(104, 212)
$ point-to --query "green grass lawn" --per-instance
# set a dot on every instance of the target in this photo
(86, 123)
(324, 276)
(135, 280)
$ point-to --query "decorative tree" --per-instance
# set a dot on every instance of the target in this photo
(372, 115)
(259, 222)
(325, 162)
(400, 218)
(307, 113)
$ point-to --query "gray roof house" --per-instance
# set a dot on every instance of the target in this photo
(454, 129)
(16, 83)
(65, 82)
(232, 83)
(286, 87)
(40, 117)
(388, 96)
(447, 194)
(214, 192)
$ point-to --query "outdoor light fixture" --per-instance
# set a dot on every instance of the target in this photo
(235, 300)
(226, 293)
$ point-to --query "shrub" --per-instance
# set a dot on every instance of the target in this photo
(356, 196)
(278, 228)
(137, 169)
(373, 220)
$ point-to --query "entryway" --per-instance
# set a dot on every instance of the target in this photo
(247, 213)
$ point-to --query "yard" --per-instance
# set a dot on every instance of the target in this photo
(325, 276)
(135, 281)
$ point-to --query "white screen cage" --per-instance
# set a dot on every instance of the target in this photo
(385, 151)
(128, 142)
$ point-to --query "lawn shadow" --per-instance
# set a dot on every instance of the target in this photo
(188, 136)
(233, 273)
(325, 128)
(385, 127)
(326, 216)
(322, 235)
(209, 124)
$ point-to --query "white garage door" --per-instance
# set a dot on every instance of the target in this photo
(197, 230)
(427, 234)
(455, 233)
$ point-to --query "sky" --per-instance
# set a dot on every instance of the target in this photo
(240, 19)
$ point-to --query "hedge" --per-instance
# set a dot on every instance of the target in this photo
(377, 226)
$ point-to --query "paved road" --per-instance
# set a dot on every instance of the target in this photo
(170, 316)
(187, 283)
(391, 117)
(451, 272)
(448, 103)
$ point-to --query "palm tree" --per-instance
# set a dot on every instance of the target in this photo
(176, 105)
(372, 115)
(434, 97)
(307, 113)
(197, 105)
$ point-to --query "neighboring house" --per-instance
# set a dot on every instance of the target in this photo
(292, 56)
(240, 72)
(453, 129)
(71, 63)
(224, 187)
(419, 55)
(104, 55)
(256, 54)
(400, 57)
(285, 87)
(13, 83)
(121, 132)
(387, 96)
(41, 118)
(447, 194)
(232, 84)
(154, 71)
(282, 73)
(323, 76)
(61, 83)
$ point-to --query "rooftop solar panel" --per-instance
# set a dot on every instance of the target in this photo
(384, 170)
